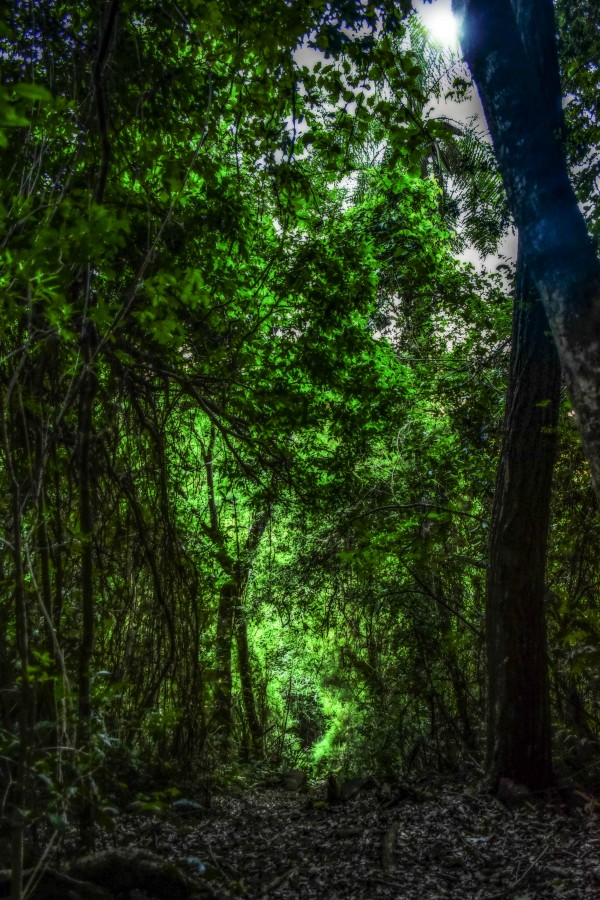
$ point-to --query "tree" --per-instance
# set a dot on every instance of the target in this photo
(519, 737)
(251, 401)
(525, 128)
(519, 741)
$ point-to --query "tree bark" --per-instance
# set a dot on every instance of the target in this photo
(230, 616)
(245, 669)
(11, 418)
(26, 701)
(457, 677)
(86, 526)
(222, 711)
(241, 633)
(502, 42)
(519, 738)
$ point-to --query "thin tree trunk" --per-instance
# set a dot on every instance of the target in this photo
(46, 691)
(255, 534)
(519, 739)
(86, 525)
(247, 682)
(222, 702)
(457, 677)
(222, 713)
(57, 557)
(26, 702)
(18, 792)
(230, 617)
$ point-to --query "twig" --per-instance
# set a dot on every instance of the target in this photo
(277, 882)
(228, 878)
(388, 850)
(36, 874)
(509, 890)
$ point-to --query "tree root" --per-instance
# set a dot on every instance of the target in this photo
(113, 875)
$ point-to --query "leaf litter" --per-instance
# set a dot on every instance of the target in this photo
(442, 838)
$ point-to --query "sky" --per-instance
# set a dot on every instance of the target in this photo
(437, 18)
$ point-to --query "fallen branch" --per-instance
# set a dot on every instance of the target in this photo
(53, 885)
(388, 850)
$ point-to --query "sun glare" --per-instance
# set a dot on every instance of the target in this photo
(442, 27)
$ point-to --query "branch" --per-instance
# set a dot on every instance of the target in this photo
(97, 80)
(393, 507)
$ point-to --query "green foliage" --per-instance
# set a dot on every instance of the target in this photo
(241, 224)
(579, 47)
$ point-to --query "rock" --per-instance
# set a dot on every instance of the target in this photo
(333, 789)
(405, 792)
(294, 780)
(342, 791)
(188, 808)
(354, 786)
(511, 794)
(147, 809)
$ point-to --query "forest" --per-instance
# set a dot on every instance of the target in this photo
(299, 557)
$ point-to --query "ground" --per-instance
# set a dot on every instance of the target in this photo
(358, 840)
(432, 840)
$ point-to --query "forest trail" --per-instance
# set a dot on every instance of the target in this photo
(442, 839)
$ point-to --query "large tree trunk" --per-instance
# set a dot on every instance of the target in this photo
(519, 739)
(504, 42)
(519, 735)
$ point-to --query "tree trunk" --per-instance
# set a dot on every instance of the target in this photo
(12, 416)
(230, 613)
(519, 740)
(19, 792)
(510, 48)
(230, 616)
(457, 677)
(222, 712)
(245, 670)
(86, 526)
(255, 534)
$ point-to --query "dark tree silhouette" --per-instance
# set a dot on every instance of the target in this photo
(519, 738)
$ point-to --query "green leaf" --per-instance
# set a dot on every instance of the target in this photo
(58, 822)
(32, 92)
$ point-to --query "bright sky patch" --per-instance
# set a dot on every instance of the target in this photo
(442, 26)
